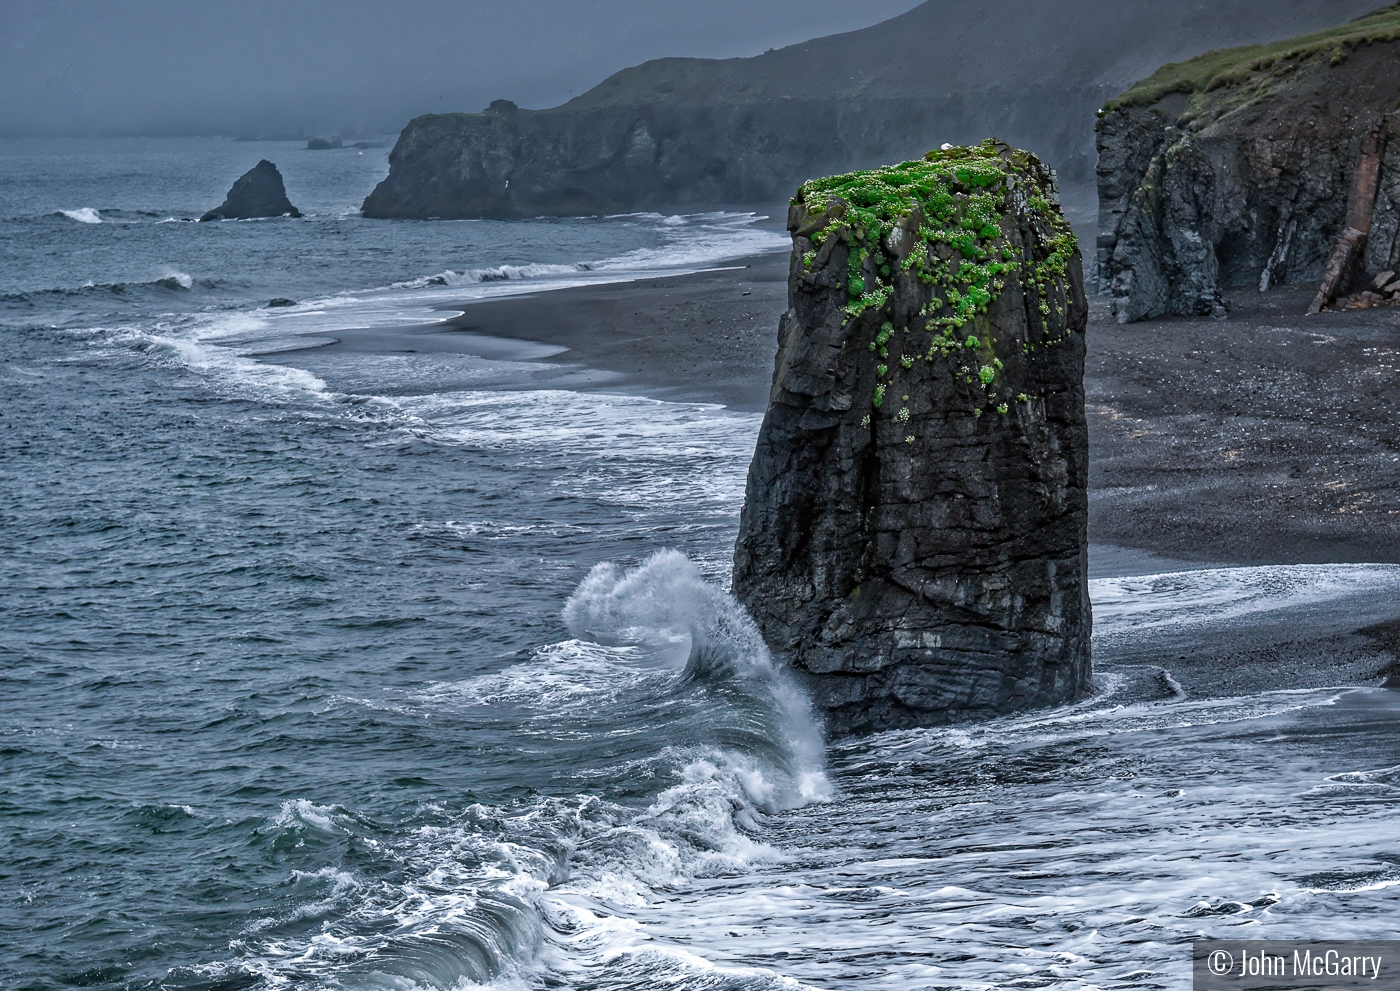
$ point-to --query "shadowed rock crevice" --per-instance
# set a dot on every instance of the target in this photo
(913, 533)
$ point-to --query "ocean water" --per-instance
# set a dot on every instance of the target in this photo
(400, 671)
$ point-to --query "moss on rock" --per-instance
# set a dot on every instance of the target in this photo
(948, 219)
(914, 526)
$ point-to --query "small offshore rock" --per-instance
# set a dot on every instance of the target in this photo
(259, 192)
(281, 301)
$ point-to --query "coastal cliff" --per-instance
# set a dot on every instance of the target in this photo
(688, 132)
(508, 162)
(1234, 170)
(913, 535)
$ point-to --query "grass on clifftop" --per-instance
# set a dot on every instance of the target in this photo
(1228, 66)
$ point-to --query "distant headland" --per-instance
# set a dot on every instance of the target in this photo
(688, 132)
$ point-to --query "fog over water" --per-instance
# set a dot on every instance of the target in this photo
(366, 67)
(219, 67)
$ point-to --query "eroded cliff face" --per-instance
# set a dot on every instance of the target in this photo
(508, 162)
(914, 526)
(1242, 180)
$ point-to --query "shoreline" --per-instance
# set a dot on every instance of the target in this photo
(705, 337)
(1265, 438)
(1262, 439)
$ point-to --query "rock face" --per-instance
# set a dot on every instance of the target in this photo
(259, 192)
(914, 526)
(1233, 171)
(680, 132)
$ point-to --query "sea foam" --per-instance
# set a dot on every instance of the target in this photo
(554, 883)
(1124, 606)
(665, 596)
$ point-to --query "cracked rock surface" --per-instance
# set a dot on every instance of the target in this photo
(931, 567)
(1245, 185)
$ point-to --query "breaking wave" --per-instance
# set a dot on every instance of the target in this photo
(500, 273)
(83, 215)
(666, 597)
(173, 280)
(500, 893)
(176, 280)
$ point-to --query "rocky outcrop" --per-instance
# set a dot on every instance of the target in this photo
(1234, 171)
(675, 133)
(259, 192)
(914, 528)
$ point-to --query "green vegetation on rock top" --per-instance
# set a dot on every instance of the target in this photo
(949, 206)
(941, 220)
(1231, 66)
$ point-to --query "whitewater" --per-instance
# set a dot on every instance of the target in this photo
(326, 669)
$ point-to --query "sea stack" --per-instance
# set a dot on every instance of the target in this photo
(259, 192)
(914, 528)
(1253, 167)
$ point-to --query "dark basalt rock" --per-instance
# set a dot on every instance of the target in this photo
(259, 192)
(922, 557)
(1233, 172)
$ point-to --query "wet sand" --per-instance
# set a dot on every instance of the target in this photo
(708, 337)
(1266, 438)
(1269, 437)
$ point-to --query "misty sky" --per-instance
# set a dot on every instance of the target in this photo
(222, 67)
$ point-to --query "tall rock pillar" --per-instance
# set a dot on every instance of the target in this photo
(914, 527)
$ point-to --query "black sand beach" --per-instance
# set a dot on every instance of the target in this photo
(708, 337)
(1269, 437)
(1266, 438)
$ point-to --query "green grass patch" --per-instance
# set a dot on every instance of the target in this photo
(1232, 66)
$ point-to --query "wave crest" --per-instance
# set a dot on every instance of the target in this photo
(665, 598)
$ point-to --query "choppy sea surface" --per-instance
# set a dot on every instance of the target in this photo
(391, 671)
